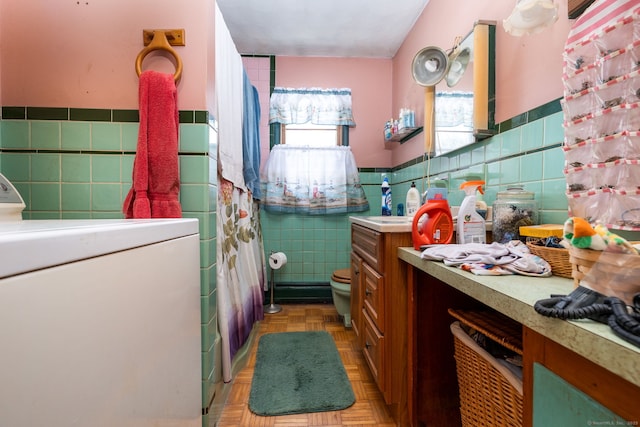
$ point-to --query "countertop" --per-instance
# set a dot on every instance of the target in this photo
(399, 224)
(515, 296)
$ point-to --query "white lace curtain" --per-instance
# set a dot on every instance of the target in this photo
(308, 180)
(454, 109)
(311, 105)
(313, 181)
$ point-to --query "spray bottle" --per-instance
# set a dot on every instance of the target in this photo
(470, 226)
(386, 197)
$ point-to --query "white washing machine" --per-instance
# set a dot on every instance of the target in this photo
(99, 321)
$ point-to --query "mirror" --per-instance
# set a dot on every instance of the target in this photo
(464, 114)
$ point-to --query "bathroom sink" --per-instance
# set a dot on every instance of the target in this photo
(391, 224)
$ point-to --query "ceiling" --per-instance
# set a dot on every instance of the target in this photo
(335, 28)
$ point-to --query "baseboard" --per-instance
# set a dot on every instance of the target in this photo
(290, 293)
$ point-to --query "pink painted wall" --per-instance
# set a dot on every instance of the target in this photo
(528, 74)
(528, 69)
(82, 53)
(370, 83)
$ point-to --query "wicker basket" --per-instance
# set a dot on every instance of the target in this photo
(623, 269)
(490, 394)
(558, 259)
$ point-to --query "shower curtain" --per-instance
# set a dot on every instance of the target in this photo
(240, 259)
(241, 269)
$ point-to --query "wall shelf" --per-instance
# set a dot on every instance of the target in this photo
(404, 134)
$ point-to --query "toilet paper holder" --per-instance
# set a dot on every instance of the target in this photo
(277, 260)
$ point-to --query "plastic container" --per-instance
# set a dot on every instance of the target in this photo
(412, 203)
(470, 226)
(386, 198)
(436, 227)
(512, 209)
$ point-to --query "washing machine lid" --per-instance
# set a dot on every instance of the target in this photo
(36, 244)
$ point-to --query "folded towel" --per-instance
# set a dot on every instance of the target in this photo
(156, 176)
(490, 258)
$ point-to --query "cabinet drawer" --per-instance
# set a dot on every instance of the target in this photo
(373, 285)
(356, 296)
(368, 244)
(373, 349)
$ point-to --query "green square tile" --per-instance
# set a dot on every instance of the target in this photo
(76, 197)
(15, 134)
(510, 171)
(531, 167)
(76, 136)
(106, 197)
(532, 136)
(511, 142)
(105, 137)
(553, 129)
(194, 197)
(127, 169)
(76, 215)
(45, 135)
(105, 168)
(554, 194)
(16, 167)
(45, 197)
(492, 147)
(129, 136)
(194, 138)
(553, 163)
(45, 167)
(76, 168)
(194, 169)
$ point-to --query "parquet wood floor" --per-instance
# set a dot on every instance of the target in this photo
(369, 408)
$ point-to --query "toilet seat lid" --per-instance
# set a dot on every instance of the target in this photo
(342, 276)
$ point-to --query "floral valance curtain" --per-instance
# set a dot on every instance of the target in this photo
(312, 105)
(313, 181)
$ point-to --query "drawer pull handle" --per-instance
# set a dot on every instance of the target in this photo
(368, 292)
(367, 345)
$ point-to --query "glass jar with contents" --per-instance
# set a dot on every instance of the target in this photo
(512, 209)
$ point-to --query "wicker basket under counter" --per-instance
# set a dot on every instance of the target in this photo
(490, 394)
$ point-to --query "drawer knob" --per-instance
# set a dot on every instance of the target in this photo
(368, 292)
(367, 345)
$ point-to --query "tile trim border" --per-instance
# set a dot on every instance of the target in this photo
(95, 114)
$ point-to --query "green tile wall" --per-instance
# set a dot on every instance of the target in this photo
(77, 164)
(529, 154)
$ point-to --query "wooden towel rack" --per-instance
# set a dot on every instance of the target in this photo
(160, 41)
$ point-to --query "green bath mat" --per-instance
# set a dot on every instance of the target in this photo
(299, 372)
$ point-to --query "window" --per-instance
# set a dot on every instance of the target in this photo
(310, 135)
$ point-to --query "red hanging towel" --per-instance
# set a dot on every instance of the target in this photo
(156, 176)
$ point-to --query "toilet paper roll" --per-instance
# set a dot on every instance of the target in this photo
(277, 260)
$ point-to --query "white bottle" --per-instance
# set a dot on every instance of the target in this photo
(412, 203)
(470, 226)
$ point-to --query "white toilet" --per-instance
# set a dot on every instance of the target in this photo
(341, 293)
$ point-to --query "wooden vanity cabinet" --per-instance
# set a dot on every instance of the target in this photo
(379, 310)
